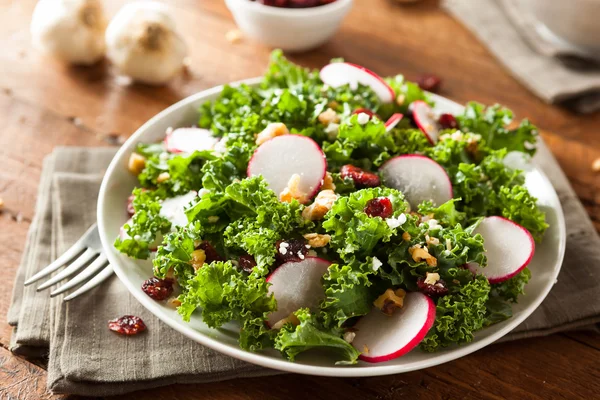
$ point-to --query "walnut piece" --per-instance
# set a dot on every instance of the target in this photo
(136, 163)
(328, 182)
(317, 240)
(421, 254)
(198, 258)
(272, 130)
(323, 203)
(390, 301)
(431, 278)
(292, 191)
(328, 116)
(164, 176)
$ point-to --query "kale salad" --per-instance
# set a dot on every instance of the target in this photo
(334, 210)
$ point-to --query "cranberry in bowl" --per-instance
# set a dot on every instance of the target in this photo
(292, 25)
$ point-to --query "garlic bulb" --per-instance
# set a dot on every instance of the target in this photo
(71, 30)
(143, 44)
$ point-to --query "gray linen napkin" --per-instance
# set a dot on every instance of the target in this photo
(85, 358)
(549, 70)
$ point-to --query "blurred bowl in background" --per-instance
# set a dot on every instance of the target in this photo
(290, 29)
(575, 21)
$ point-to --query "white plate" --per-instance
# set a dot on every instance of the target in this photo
(117, 186)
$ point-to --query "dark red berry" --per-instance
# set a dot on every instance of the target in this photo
(303, 3)
(361, 178)
(275, 3)
(379, 207)
(210, 252)
(247, 263)
(429, 82)
(130, 209)
(127, 325)
(438, 289)
(158, 289)
(291, 250)
(448, 121)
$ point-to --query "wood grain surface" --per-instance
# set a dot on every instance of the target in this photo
(44, 104)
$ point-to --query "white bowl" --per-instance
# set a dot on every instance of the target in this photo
(117, 186)
(575, 21)
(290, 29)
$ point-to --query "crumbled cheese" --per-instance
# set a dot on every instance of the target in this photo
(349, 336)
(137, 238)
(457, 135)
(283, 248)
(376, 263)
(307, 246)
(433, 224)
(221, 146)
(332, 130)
(393, 223)
(202, 192)
(300, 255)
(431, 278)
(363, 118)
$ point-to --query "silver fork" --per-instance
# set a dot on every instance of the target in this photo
(86, 249)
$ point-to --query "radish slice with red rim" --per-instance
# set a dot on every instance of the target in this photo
(338, 74)
(393, 121)
(382, 338)
(509, 248)
(188, 140)
(280, 158)
(419, 178)
(425, 120)
(297, 284)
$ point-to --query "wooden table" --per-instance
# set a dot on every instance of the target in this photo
(44, 104)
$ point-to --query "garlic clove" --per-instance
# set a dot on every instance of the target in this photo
(70, 30)
(142, 43)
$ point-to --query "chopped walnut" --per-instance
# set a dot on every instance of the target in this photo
(431, 240)
(431, 278)
(174, 302)
(328, 116)
(234, 36)
(272, 130)
(290, 318)
(419, 253)
(406, 237)
(333, 104)
(317, 240)
(198, 258)
(400, 99)
(292, 191)
(390, 300)
(136, 163)
(328, 182)
(164, 176)
(323, 203)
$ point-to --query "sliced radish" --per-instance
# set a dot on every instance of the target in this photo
(188, 140)
(425, 120)
(297, 284)
(419, 178)
(365, 111)
(281, 157)
(508, 246)
(173, 209)
(382, 338)
(393, 121)
(338, 74)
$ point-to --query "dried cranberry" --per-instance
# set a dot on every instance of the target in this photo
(438, 289)
(130, 209)
(379, 207)
(158, 289)
(361, 178)
(274, 3)
(448, 121)
(291, 250)
(429, 82)
(127, 325)
(303, 3)
(247, 263)
(210, 252)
